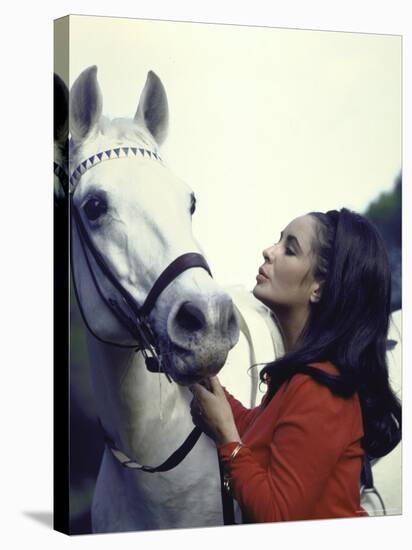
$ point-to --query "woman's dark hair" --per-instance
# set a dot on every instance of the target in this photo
(348, 326)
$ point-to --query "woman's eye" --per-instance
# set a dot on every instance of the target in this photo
(289, 252)
(94, 208)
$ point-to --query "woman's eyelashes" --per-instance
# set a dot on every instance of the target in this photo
(192, 204)
(288, 250)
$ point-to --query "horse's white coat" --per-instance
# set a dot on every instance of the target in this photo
(259, 343)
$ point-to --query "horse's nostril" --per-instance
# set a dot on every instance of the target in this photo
(233, 327)
(190, 318)
(233, 324)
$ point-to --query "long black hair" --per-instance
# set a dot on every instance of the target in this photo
(348, 326)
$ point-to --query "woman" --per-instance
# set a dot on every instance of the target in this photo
(328, 402)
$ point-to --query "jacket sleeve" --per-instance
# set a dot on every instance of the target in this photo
(243, 416)
(310, 434)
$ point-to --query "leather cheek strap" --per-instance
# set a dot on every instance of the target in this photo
(178, 266)
(173, 270)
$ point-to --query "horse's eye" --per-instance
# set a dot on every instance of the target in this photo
(94, 208)
(192, 204)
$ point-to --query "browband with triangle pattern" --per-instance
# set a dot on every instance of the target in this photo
(118, 152)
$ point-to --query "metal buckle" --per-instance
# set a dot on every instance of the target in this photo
(226, 483)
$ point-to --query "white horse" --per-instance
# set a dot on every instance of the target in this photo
(131, 218)
(127, 209)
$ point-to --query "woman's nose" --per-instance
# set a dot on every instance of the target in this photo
(268, 253)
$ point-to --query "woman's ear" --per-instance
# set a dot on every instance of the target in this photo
(316, 293)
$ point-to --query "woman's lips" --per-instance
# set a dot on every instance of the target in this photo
(261, 276)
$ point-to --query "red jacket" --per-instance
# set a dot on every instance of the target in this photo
(303, 454)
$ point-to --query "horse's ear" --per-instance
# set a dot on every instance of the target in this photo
(85, 104)
(61, 110)
(153, 110)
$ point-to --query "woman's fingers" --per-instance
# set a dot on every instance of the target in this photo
(198, 419)
(197, 389)
(215, 385)
(200, 392)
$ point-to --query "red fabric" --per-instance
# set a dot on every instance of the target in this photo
(303, 454)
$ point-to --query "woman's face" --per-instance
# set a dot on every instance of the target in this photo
(285, 280)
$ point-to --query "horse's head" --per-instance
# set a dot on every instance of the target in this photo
(132, 220)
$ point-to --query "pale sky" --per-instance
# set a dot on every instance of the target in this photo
(265, 124)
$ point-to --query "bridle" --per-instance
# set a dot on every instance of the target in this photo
(131, 316)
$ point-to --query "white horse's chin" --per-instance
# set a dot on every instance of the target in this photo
(187, 368)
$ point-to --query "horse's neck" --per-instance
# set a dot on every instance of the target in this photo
(141, 411)
(257, 322)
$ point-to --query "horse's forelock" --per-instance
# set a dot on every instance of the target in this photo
(117, 131)
(126, 130)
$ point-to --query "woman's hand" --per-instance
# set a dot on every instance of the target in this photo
(212, 413)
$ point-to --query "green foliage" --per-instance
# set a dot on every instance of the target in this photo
(386, 213)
